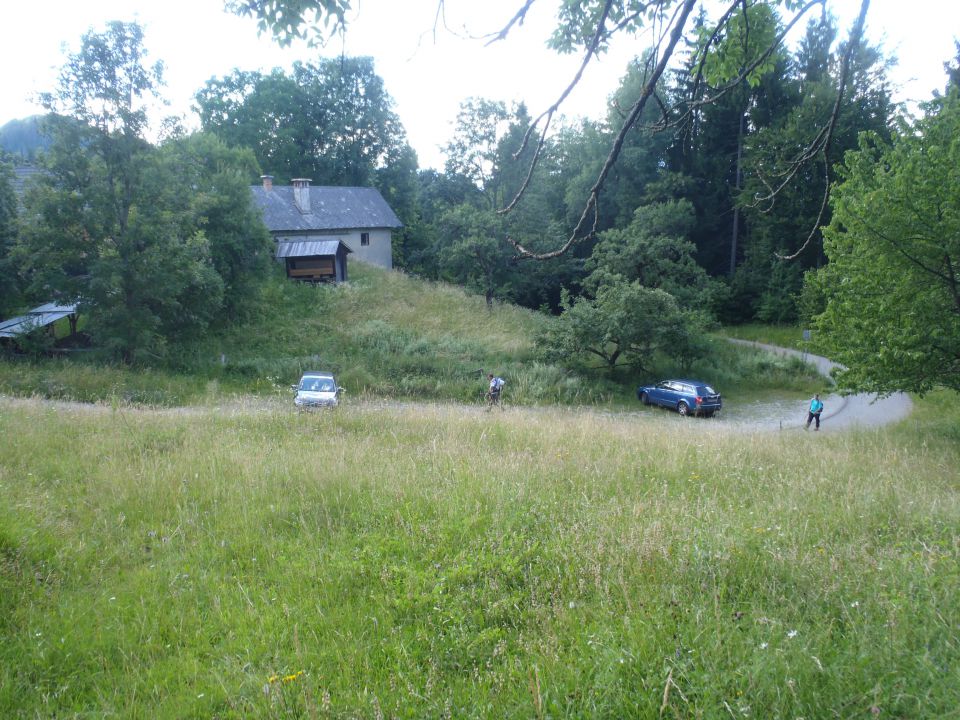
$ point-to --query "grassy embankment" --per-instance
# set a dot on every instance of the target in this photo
(385, 334)
(435, 562)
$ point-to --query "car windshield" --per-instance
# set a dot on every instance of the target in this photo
(314, 384)
(706, 390)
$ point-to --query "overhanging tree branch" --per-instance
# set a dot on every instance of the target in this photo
(852, 44)
(547, 115)
(648, 89)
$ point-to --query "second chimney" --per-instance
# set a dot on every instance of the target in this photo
(267, 182)
(301, 194)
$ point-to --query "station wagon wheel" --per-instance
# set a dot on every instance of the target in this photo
(683, 408)
(644, 399)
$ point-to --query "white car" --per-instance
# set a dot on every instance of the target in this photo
(316, 389)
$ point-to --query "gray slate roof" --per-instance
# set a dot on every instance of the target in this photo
(310, 248)
(332, 208)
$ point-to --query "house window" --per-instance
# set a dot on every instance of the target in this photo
(364, 238)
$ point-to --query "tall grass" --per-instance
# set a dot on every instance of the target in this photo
(384, 334)
(439, 561)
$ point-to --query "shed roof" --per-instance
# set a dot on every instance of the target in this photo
(310, 248)
(331, 209)
(33, 319)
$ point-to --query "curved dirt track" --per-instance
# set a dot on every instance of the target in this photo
(840, 412)
(862, 410)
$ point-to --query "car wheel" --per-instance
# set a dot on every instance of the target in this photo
(683, 408)
(644, 399)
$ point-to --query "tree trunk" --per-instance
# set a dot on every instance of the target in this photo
(737, 183)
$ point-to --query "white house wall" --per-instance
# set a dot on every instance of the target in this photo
(378, 252)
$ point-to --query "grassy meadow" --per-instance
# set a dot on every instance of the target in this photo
(384, 334)
(389, 560)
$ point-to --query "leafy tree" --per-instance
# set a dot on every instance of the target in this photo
(331, 121)
(397, 181)
(893, 305)
(9, 285)
(487, 164)
(207, 184)
(654, 251)
(125, 228)
(642, 155)
(953, 69)
(589, 26)
(626, 324)
(437, 193)
(265, 113)
(537, 218)
(783, 202)
(471, 252)
(474, 150)
(289, 20)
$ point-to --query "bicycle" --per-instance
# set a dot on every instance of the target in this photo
(492, 398)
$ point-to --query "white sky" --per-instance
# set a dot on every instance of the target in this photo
(427, 75)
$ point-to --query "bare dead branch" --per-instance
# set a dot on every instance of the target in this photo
(793, 167)
(517, 19)
(692, 104)
(547, 115)
(852, 44)
(678, 24)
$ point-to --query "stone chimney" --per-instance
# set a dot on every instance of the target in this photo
(301, 194)
(267, 182)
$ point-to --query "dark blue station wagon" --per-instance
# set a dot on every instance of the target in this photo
(685, 396)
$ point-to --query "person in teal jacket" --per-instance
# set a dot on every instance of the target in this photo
(816, 407)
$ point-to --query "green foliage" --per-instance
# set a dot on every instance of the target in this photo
(106, 84)
(626, 323)
(778, 303)
(472, 251)
(473, 150)
(745, 39)
(577, 22)
(654, 251)
(209, 184)
(330, 120)
(893, 314)
(9, 282)
(289, 20)
(156, 244)
(953, 69)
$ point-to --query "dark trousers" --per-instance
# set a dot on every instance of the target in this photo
(813, 416)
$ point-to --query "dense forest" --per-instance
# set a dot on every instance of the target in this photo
(713, 193)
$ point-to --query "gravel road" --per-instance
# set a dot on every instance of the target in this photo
(840, 412)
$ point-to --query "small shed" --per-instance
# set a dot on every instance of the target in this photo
(315, 260)
(43, 316)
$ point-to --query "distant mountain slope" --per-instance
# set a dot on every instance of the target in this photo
(23, 139)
